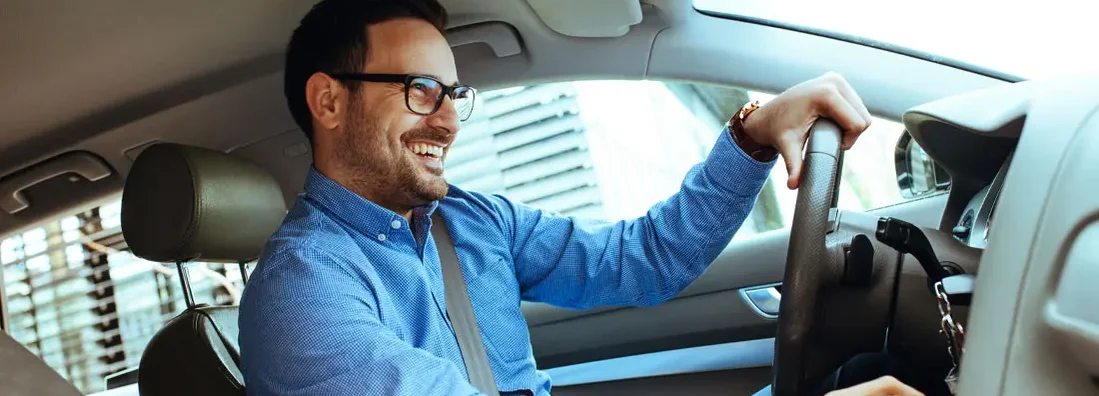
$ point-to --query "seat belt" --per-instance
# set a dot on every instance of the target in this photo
(460, 311)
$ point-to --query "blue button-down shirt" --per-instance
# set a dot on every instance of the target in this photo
(347, 298)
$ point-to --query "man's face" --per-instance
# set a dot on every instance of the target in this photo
(397, 154)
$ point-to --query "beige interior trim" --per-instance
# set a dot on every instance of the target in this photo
(1045, 203)
(24, 374)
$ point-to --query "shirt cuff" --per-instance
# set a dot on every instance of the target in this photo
(733, 170)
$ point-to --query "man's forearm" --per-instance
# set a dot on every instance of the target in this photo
(647, 260)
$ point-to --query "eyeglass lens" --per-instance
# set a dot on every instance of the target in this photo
(425, 95)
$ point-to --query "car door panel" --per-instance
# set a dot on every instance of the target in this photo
(710, 311)
(724, 382)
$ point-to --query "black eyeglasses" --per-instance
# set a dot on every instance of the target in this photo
(423, 95)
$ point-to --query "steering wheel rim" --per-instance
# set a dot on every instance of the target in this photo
(806, 256)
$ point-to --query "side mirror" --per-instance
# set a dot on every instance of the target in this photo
(917, 173)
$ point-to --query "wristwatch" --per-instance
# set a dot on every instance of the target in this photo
(736, 127)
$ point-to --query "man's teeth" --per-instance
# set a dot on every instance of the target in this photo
(426, 149)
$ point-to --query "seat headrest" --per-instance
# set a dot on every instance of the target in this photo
(184, 203)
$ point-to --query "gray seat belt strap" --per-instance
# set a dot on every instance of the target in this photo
(460, 311)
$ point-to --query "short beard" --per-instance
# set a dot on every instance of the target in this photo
(391, 182)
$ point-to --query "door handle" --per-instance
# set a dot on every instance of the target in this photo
(764, 299)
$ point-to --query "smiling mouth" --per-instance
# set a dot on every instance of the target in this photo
(427, 150)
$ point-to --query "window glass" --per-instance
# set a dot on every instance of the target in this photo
(612, 149)
(80, 301)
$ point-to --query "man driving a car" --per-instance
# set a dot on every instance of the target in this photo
(348, 296)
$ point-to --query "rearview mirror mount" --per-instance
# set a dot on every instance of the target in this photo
(917, 173)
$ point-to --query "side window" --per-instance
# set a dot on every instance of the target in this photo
(79, 300)
(612, 149)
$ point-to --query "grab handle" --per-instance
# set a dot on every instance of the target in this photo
(84, 164)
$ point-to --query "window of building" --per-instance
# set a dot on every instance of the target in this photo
(78, 299)
(612, 149)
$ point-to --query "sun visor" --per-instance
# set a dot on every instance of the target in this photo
(588, 18)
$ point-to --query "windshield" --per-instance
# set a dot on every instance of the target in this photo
(1026, 39)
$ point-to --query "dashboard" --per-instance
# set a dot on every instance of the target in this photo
(974, 138)
(976, 220)
(1035, 314)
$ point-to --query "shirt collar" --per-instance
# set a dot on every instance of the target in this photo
(352, 208)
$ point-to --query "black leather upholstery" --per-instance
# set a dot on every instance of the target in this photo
(184, 203)
(194, 354)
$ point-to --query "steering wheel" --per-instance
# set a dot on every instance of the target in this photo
(807, 257)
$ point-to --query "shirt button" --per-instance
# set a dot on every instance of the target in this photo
(381, 237)
(396, 224)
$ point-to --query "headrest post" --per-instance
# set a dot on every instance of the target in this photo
(185, 281)
(244, 272)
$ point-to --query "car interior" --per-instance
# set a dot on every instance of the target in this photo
(176, 108)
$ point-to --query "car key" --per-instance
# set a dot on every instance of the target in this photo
(959, 288)
(951, 329)
(954, 290)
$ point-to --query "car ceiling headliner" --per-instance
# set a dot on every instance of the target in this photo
(67, 62)
(73, 68)
(111, 75)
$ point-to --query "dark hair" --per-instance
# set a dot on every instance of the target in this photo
(332, 38)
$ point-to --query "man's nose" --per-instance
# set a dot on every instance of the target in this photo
(446, 117)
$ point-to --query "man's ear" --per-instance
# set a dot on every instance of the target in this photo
(327, 100)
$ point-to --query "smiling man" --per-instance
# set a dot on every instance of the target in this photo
(348, 296)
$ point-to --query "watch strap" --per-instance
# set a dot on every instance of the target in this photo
(740, 137)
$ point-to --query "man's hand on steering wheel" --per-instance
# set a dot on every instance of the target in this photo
(883, 386)
(784, 122)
